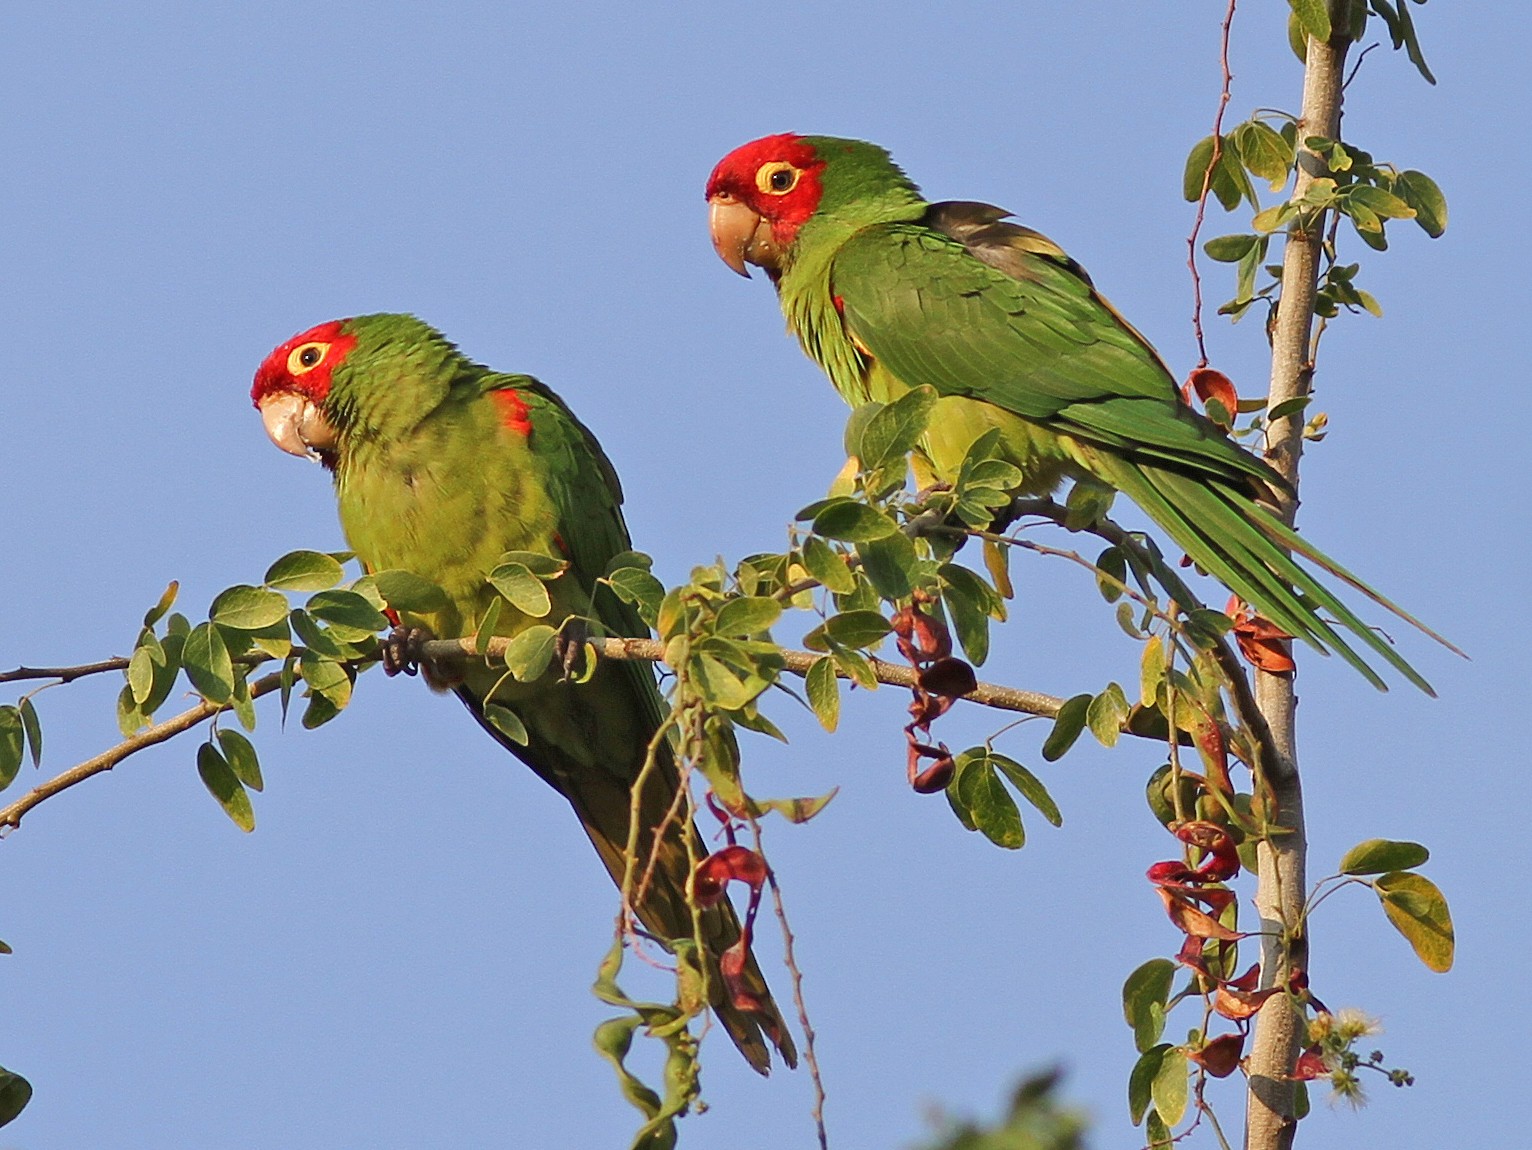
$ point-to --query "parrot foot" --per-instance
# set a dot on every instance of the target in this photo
(402, 650)
(569, 649)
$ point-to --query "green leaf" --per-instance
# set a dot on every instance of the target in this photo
(1418, 910)
(719, 684)
(1106, 714)
(823, 692)
(304, 571)
(893, 431)
(635, 585)
(542, 565)
(1406, 36)
(1375, 856)
(487, 625)
(853, 522)
(1111, 573)
(33, 729)
(1030, 787)
(406, 591)
(1230, 249)
(530, 652)
(243, 705)
(129, 717)
(1379, 201)
(522, 589)
(1289, 406)
(1314, 17)
(855, 667)
(1086, 503)
(1264, 152)
(12, 745)
(346, 609)
(507, 722)
(748, 616)
(1067, 726)
(1144, 996)
(319, 711)
(1272, 218)
(1196, 169)
(326, 678)
(1420, 191)
(242, 759)
(221, 782)
(157, 612)
(890, 564)
(856, 628)
(206, 661)
(970, 602)
(140, 674)
(1169, 1088)
(245, 608)
(827, 566)
(990, 805)
(314, 636)
(1158, 1134)
(15, 1093)
(1141, 1079)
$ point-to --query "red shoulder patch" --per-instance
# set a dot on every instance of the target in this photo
(513, 411)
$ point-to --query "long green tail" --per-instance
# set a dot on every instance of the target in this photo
(1247, 548)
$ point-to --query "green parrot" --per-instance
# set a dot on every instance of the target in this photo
(887, 292)
(442, 465)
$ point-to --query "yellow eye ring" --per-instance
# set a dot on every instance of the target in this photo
(306, 357)
(777, 178)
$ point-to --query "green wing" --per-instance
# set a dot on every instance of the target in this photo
(1018, 324)
(1035, 340)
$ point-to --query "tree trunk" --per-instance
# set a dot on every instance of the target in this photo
(1270, 1122)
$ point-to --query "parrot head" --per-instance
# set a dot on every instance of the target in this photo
(761, 194)
(373, 375)
(292, 387)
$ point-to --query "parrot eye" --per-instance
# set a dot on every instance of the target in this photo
(777, 178)
(306, 358)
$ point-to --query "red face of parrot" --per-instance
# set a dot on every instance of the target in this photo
(758, 197)
(291, 386)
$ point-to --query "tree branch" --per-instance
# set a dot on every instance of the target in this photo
(1271, 1121)
(796, 662)
(10, 817)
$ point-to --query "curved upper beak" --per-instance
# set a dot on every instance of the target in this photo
(740, 234)
(295, 424)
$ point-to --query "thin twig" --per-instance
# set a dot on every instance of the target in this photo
(790, 960)
(64, 674)
(1207, 184)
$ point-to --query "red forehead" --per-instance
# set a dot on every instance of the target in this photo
(736, 171)
(273, 374)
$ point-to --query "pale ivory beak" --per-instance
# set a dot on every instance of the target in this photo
(296, 425)
(741, 235)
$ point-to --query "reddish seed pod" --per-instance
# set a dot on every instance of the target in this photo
(949, 676)
(934, 778)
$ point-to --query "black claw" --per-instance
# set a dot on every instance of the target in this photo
(402, 650)
(569, 647)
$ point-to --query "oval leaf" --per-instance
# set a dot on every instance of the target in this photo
(1169, 1088)
(207, 663)
(523, 589)
(347, 609)
(748, 616)
(219, 779)
(15, 1093)
(1418, 910)
(1144, 996)
(1067, 725)
(245, 608)
(895, 429)
(530, 652)
(242, 759)
(823, 692)
(304, 571)
(852, 522)
(1375, 856)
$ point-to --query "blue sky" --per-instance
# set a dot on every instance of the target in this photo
(400, 954)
